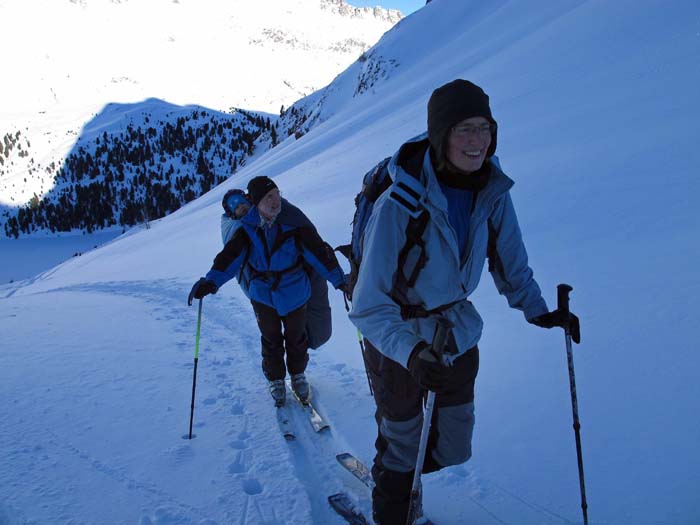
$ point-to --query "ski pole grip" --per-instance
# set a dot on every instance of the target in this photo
(442, 331)
(563, 291)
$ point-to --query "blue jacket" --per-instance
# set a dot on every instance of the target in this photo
(448, 276)
(275, 256)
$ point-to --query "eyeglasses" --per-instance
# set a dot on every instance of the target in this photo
(468, 130)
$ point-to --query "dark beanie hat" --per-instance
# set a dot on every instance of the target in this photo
(452, 103)
(258, 188)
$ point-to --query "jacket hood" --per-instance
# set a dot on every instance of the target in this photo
(413, 161)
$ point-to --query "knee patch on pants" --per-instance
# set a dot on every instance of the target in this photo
(455, 427)
(402, 439)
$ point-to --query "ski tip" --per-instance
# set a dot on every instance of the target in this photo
(342, 504)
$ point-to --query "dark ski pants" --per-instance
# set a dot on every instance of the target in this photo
(275, 342)
(399, 417)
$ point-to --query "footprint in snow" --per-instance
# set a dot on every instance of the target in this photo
(238, 466)
(238, 444)
(237, 409)
(252, 487)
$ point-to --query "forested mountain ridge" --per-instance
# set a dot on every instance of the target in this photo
(147, 164)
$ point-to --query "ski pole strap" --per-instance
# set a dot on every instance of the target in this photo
(440, 337)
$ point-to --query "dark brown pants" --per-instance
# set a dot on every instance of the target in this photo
(276, 343)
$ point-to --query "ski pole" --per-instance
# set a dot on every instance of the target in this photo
(439, 340)
(563, 306)
(362, 347)
(364, 360)
(196, 359)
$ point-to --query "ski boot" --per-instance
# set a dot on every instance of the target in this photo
(278, 391)
(301, 387)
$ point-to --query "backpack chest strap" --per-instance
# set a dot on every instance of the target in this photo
(275, 276)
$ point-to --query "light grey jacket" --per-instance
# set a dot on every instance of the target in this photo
(445, 278)
(229, 226)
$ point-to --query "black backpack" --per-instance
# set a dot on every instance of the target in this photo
(375, 182)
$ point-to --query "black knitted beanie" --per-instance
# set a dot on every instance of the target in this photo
(452, 103)
(258, 187)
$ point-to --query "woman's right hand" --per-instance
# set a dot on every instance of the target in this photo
(200, 289)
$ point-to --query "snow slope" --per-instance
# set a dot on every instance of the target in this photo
(184, 51)
(63, 60)
(598, 112)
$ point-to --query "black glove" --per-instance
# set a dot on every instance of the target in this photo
(559, 318)
(427, 370)
(345, 288)
(200, 289)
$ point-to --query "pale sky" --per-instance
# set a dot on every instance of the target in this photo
(405, 6)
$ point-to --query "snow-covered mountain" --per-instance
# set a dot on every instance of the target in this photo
(597, 109)
(255, 55)
(75, 57)
(134, 163)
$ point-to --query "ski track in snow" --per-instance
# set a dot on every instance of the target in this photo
(311, 454)
(241, 416)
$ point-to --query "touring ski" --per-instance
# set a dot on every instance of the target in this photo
(344, 507)
(284, 418)
(317, 421)
(358, 469)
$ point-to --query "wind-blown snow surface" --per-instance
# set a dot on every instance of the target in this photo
(598, 112)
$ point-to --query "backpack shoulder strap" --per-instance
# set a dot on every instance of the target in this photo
(407, 190)
(405, 277)
(491, 252)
